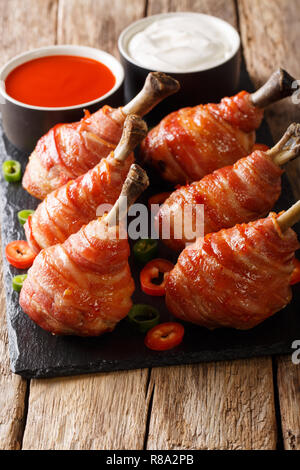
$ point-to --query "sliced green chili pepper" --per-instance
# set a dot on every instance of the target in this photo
(143, 317)
(17, 282)
(23, 215)
(145, 250)
(12, 171)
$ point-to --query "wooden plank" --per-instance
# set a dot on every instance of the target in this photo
(25, 24)
(270, 36)
(211, 406)
(288, 379)
(228, 405)
(104, 411)
(96, 23)
(224, 9)
(270, 39)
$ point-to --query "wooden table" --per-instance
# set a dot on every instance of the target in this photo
(244, 404)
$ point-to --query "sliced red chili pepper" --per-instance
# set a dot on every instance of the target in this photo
(262, 147)
(151, 271)
(158, 198)
(296, 273)
(19, 254)
(164, 336)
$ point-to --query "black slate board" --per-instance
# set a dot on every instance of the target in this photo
(36, 353)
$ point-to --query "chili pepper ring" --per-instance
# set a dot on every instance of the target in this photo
(145, 250)
(19, 254)
(143, 317)
(17, 282)
(150, 272)
(164, 336)
(11, 170)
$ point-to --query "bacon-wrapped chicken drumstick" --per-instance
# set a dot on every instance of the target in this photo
(236, 277)
(70, 150)
(193, 142)
(67, 209)
(84, 286)
(232, 195)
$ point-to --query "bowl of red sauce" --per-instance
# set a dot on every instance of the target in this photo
(49, 85)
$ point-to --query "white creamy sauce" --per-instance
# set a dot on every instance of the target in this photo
(181, 44)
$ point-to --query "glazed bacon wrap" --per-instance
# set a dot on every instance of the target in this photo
(70, 150)
(67, 209)
(240, 193)
(234, 278)
(193, 142)
(81, 287)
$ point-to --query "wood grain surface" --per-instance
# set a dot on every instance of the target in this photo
(225, 9)
(96, 23)
(228, 405)
(103, 411)
(288, 377)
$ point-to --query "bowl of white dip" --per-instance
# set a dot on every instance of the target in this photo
(201, 51)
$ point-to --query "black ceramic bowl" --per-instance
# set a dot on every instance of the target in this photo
(24, 124)
(198, 86)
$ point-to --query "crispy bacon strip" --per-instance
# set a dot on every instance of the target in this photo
(231, 195)
(70, 150)
(68, 208)
(234, 278)
(239, 193)
(193, 142)
(84, 286)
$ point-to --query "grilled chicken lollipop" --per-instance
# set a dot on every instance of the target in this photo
(236, 277)
(232, 195)
(67, 209)
(84, 286)
(193, 142)
(70, 150)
